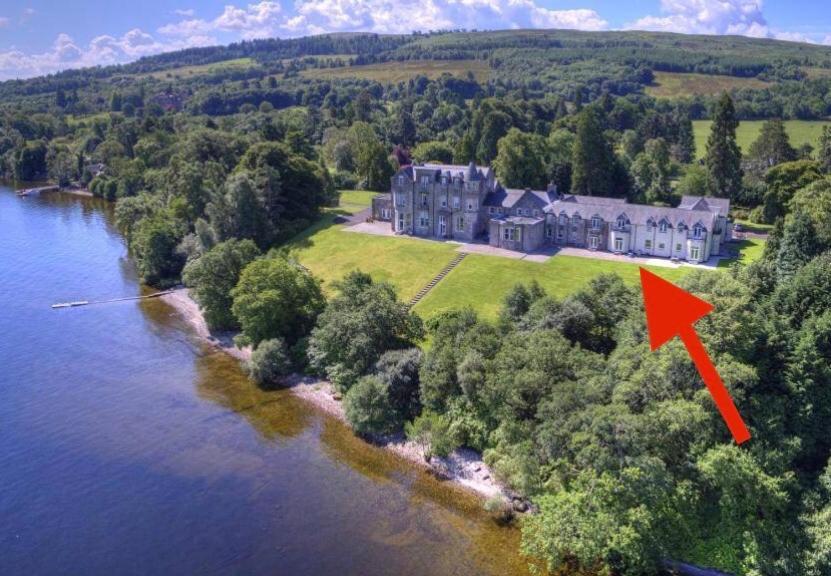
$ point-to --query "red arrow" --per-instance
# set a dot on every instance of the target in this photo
(671, 312)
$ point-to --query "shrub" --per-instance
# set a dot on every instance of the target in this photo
(398, 369)
(269, 362)
(433, 432)
(368, 407)
(500, 509)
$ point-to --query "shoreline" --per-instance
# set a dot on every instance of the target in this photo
(463, 467)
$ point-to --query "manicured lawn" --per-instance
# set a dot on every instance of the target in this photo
(753, 226)
(330, 253)
(353, 201)
(748, 251)
(482, 281)
(676, 84)
(800, 132)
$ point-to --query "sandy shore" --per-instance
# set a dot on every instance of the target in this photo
(464, 467)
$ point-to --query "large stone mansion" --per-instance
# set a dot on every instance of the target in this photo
(467, 203)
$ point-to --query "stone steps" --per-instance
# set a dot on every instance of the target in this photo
(439, 277)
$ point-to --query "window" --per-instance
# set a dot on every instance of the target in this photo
(471, 205)
(455, 202)
(423, 219)
(536, 213)
(618, 244)
(444, 201)
(647, 244)
(698, 231)
(563, 219)
(401, 180)
(662, 227)
(596, 222)
(508, 233)
(575, 219)
(621, 222)
(549, 230)
(593, 242)
(400, 221)
(677, 247)
(518, 234)
(695, 253)
(649, 224)
(492, 210)
(460, 223)
(661, 246)
(425, 180)
(444, 179)
(519, 211)
(561, 233)
(424, 199)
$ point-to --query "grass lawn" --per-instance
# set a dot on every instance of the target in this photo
(394, 72)
(748, 250)
(199, 69)
(330, 253)
(482, 281)
(753, 226)
(800, 132)
(676, 84)
(353, 201)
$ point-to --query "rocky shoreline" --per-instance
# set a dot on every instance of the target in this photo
(463, 467)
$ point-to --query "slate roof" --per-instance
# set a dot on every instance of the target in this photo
(468, 173)
(638, 214)
(508, 197)
(706, 203)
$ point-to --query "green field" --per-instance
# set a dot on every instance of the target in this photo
(800, 132)
(747, 251)
(677, 85)
(482, 281)
(353, 201)
(394, 72)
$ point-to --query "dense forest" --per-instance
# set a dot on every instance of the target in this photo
(216, 156)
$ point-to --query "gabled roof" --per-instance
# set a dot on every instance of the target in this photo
(706, 204)
(637, 214)
(595, 200)
(508, 197)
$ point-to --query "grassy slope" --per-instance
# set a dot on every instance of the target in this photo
(394, 72)
(674, 85)
(482, 281)
(198, 70)
(800, 132)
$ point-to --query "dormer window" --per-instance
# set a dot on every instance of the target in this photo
(621, 221)
(519, 211)
(563, 219)
(425, 180)
(401, 180)
(596, 222)
(444, 179)
(698, 231)
(662, 226)
(575, 219)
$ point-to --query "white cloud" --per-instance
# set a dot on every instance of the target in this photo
(385, 16)
(101, 50)
(185, 13)
(260, 20)
(707, 17)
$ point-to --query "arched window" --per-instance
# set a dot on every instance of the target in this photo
(662, 226)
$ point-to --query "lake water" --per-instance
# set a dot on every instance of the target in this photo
(128, 448)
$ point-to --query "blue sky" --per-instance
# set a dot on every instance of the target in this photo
(38, 37)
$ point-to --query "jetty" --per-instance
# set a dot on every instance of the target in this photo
(32, 191)
(77, 303)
